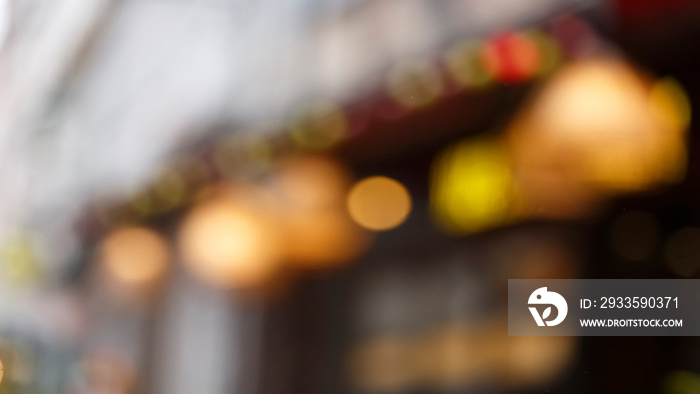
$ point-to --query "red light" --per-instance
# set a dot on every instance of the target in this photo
(511, 57)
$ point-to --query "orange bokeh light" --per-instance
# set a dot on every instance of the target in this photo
(600, 126)
(379, 203)
(134, 255)
(318, 230)
(231, 240)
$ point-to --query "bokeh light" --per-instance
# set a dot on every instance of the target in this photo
(323, 238)
(134, 255)
(312, 181)
(319, 127)
(318, 229)
(595, 123)
(550, 54)
(379, 203)
(682, 252)
(415, 84)
(109, 371)
(243, 154)
(472, 187)
(511, 57)
(20, 259)
(166, 192)
(466, 67)
(670, 104)
(682, 382)
(670, 107)
(455, 356)
(230, 240)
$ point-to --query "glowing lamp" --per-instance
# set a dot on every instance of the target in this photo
(379, 203)
(134, 255)
(230, 241)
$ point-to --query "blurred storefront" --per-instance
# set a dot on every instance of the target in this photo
(229, 196)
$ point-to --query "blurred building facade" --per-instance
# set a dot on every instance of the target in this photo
(228, 196)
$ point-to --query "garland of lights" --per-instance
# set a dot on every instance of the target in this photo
(469, 65)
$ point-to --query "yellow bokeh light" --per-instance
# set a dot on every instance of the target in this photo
(682, 382)
(134, 255)
(472, 188)
(21, 262)
(230, 241)
(670, 104)
(379, 203)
